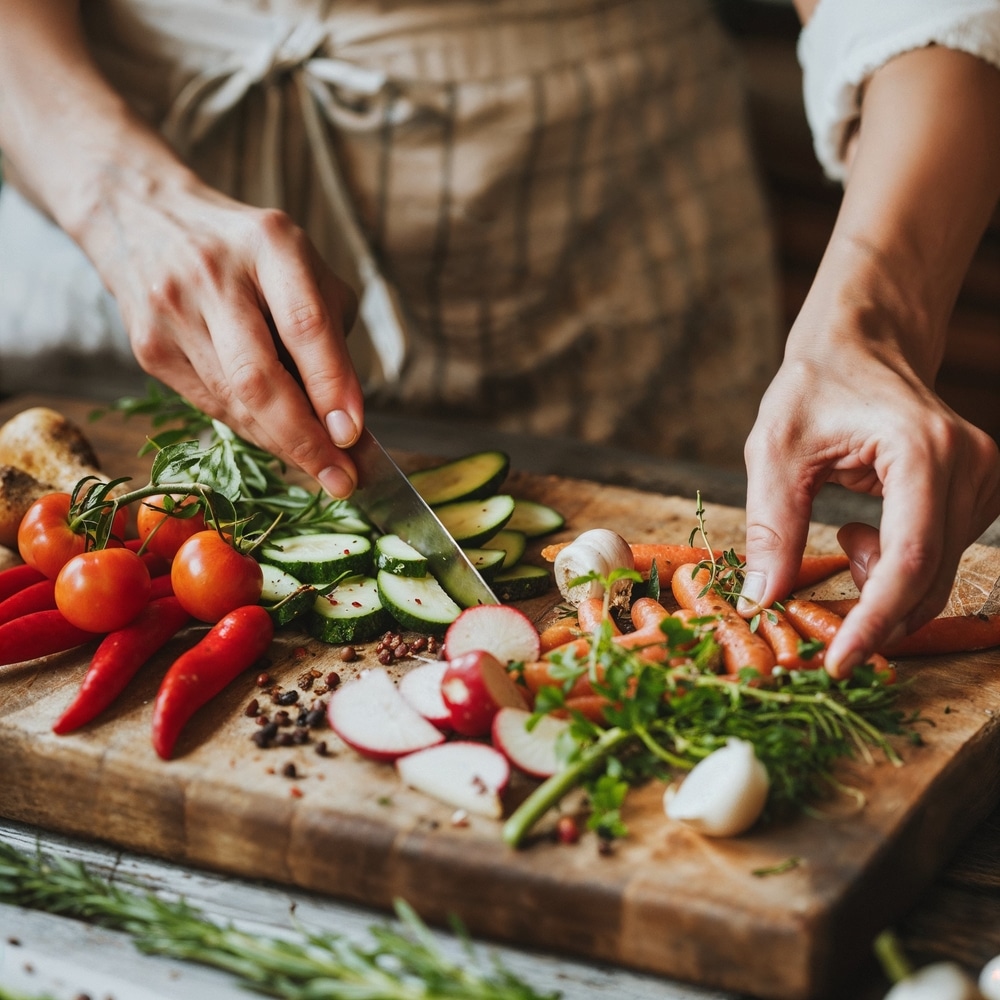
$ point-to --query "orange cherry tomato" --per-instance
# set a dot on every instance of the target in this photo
(162, 533)
(102, 590)
(211, 578)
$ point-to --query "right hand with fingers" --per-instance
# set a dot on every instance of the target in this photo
(234, 309)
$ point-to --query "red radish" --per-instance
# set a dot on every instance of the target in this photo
(475, 686)
(421, 687)
(504, 631)
(530, 750)
(469, 776)
(370, 715)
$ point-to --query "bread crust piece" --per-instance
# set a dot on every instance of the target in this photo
(18, 491)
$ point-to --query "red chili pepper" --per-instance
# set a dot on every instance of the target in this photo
(39, 596)
(197, 676)
(17, 578)
(39, 634)
(118, 658)
(156, 564)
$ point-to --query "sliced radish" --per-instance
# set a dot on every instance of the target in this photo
(370, 715)
(421, 687)
(506, 632)
(532, 751)
(475, 686)
(469, 776)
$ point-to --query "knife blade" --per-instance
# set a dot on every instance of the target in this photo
(389, 500)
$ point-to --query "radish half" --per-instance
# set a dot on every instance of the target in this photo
(505, 632)
(370, 715)
(532, 751)
(466, 775)
(475, 686)
(421, 687)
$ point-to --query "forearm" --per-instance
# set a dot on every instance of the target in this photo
(923, 183)
(69, 140)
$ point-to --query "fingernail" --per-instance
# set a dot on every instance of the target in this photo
(342, 429)
(751, 592)
(841, 668)
(336, 482)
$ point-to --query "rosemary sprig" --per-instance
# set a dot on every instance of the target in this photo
(401, 964)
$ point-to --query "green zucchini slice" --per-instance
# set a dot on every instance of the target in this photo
(469, 478)
(472, 522)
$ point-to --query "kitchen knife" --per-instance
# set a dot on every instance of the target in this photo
(392, 504)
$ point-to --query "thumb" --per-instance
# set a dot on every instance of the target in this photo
(778, 511)
(861, 543)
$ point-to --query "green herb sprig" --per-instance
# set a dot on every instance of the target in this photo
(191, 446)
(401, 964)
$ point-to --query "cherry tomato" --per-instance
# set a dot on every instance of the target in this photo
(165, 533)
(211, 578)
(102, 590)
(47, 540)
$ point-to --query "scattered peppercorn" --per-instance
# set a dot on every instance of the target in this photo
(348, 654)
(289, 771)
(401, 651)
(321, 749)
(567, 830)
(289, 697)
(253, 709)
(333, 679)
(385, 657)
(263, 679)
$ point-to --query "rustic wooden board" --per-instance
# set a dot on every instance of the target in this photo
(666, 901)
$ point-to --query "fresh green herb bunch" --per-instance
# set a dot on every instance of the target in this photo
(397, 965)
(193, 447)
(668, 711)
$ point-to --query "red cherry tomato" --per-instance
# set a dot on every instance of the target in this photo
(102, 590)
(164, 534)
(211, 578)
(46, 538)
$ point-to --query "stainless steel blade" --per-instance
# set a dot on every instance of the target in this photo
(386, 496)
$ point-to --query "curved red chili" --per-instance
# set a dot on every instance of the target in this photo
(40, 633)
(17, 578)
(39, 596)
(119, 657)
(197, 676)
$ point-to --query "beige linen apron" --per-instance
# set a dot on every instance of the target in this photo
(558, 196)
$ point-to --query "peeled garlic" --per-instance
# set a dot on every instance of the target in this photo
(989, 979)
(938, 981)
(600, 551)
(724, 794)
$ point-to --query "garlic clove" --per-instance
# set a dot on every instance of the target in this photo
(938, 981)
(724, 794)
(599, 551)
(989, 979)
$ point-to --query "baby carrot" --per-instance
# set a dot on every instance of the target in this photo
(783, 639)
(554, 636)
(951, 634)
(813, 620)
(740, 647)
(648, 614)
(590, 615)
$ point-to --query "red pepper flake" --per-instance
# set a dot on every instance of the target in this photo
(332, 601)
(416, 600)
(347, 552)
(300, 652)
(295, 792)
(355, 604)
(567, 830)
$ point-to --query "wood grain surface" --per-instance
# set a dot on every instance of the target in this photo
(666, 900)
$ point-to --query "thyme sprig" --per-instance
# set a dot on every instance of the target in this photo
(190, 445)
(665, 715)
(403, 964)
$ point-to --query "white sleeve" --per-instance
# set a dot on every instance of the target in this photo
(847, 40)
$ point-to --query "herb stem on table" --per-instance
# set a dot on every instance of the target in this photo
(401, 964)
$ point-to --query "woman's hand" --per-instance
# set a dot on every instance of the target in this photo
(233, 308)
(859, 416)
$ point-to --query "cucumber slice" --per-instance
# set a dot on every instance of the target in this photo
(511, 543)
(489, 562)
(284, 597)
(320, 558)
(351, 612)
(418, 603)
(469, 478)
(396, 556)
(521, 583)
(472, 522)
(534, 519)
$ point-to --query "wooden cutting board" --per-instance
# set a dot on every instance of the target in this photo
(666, 900)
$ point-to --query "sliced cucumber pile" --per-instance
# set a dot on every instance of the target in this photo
(348, 586)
